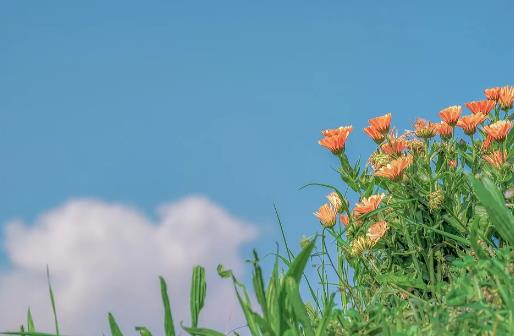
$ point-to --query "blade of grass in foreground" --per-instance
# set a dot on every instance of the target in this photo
(169, 329)
(198, 292)
(115, 329)
(30, 322)
(52, 299)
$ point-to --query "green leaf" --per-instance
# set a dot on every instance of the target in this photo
(492, 199)
(115, 329)
(198, 292)
(297, 267)
(202, 332)
(293, 296)
(169, 329)
(143, 331)
(326, 315)
(30, 322)
(258, 285)
(52, 300)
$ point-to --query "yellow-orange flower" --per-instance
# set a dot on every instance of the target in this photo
(394, 170)
(335, 139)
(394, 146)
(360, 244)
(374, 134)
(366, 205)
(451, 114)
(336, 201)
(381, 124)
(506, 97)
(481, 106)
(377, 231)
(452, 164)
(344, 219)
(493, 93)
(326, 215)
(444, 130)
(470, 122)
(498, 131)
(496, 158)
(425, 129)
(487, 143)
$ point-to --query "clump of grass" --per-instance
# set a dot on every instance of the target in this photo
(426, 250)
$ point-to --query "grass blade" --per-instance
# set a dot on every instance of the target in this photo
(198, 292)
(294, 298)
(52, 300)
(30, 322)
(143, 331)
(115, 329)
(169, 329)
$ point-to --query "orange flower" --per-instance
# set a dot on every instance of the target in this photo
(335, 139)
(326, 215)
(452, 164)
(493, 93)
(482, 106)
(506, 97)
(487, 143)
(381, 124)
(366, 205)
(394, 146)
(496, 158)
(377, 231)
(335, 201)
(425, 129)
(469, 123)
(394, 170)
(344, 219)
(451, 114)
(374, 134)
(498, 130)
(444, 130)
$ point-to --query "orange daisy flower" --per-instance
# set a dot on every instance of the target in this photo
(481, 106)
(394, 146)
(496, 158)
(506, 97)
(326, 215)
(425, 129)
(493, 93)
(451, 114)
(444, 130)
(381, 124)
(335, 139)
(452, 164)
(374, 134)
(498, 130)
(469, 123)
(487, 143)
(394, 170)
(377, 230)
(344, 219)
(366, 205)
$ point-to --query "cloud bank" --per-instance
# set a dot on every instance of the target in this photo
(107, 257)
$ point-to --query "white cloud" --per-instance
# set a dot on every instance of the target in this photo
(107, 257)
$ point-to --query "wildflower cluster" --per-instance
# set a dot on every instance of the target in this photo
(416, 207)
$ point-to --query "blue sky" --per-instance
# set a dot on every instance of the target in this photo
(147, 103)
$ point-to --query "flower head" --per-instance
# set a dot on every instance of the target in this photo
(493, 93)
(506, 97)
(335, 139)
(381, 124)
(487, 143)
(335, 201)
(425, 129)
(374, 134)
(378, 160)
(394, 170)
(481, 106)
(469, 123)
(444, 130)
(344, 219)
(377, 231)
(416, 146)
(367, 204)
(452, 164)
(498, 131)
(394, 146)
(451, 114)
(496, 158)
(360, 244)
(326, 215)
